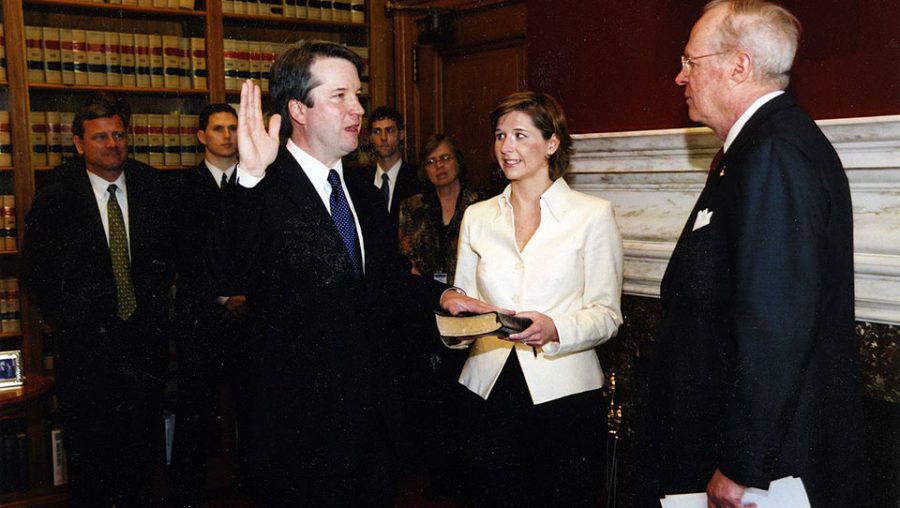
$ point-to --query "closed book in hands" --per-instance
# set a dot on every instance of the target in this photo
(460, 331)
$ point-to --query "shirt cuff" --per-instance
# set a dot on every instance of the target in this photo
(245, 179)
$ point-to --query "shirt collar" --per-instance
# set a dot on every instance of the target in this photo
(736, 128)
(392, 172)
(216, 172)
(101, 186)
(554, 199)
(315, 170)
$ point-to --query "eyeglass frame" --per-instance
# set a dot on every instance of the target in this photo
(444, 158)
(687, 62)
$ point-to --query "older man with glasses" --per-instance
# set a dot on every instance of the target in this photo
(755, 373)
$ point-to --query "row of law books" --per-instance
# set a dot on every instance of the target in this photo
(165, 140)
(10, 317)
(353, 11)
(13, 455)
(51, 137)
(253, 59)
(70, 56)
(172, 4)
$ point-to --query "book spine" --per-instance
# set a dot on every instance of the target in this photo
(187, 128)
(171, 140)
(301, 9)
(171, 61)
(341, 10)
(8, 203)
(232, 81)
(80, 56)
(314, 9)
(2, 54)
(327, 9)
(184, 63)
(142, 60)
(38, 138)
(157, 62)
(113, 59)
(198, 63)
(290, 8)
(52, 56)
(140, 139)
(243, 61)
(34, 54)
(358, 11)
(256, 62)
(54, 138)
(156, 140)
(66, 56)
(5, 139)
(58, 457)
(65, 127)
(96, 58)
(127, 57)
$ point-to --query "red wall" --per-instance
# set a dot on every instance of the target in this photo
(612, 64)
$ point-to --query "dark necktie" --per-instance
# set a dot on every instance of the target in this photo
(343, 220)
(118, 250)
(716, 159)
(224, 182)
(386, 189)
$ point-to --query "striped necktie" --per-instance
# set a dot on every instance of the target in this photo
(118, 250)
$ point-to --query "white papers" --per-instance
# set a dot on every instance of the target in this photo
(787, 492)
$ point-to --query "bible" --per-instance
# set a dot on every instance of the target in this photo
(460, 331)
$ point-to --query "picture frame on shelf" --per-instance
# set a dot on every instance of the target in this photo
(11, 369)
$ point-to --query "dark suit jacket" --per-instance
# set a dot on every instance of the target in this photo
(755, 370)
(67, 270)
(323, 377)
(407, 185)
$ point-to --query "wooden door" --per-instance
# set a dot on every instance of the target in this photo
(452, 87)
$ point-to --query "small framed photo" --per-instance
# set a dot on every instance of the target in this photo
(10, 369)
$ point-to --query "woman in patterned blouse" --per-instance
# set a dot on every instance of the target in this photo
(429, 221)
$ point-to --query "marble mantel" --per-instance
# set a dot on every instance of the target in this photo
(654, 177)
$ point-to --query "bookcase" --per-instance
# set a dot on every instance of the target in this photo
(169, 58)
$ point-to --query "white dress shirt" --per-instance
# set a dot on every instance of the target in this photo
(392, 176)
(101, 194)
(317, 172)
(570, 270)
(217, 172)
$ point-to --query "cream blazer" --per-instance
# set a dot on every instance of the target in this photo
(570, 270)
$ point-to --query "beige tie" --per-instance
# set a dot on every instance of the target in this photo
(118, 249)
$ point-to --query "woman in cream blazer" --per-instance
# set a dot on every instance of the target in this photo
(555, 256)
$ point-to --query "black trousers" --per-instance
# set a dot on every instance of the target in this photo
(110, 392)
(525, 455)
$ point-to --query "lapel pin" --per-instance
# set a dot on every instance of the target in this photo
(722, 172)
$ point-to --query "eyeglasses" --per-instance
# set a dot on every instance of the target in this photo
(440, 158)
(688, 62)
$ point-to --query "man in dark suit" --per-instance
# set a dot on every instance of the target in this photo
(755, 370)
(396, 178)
(98, 261)
(209, 315)
(317, 250)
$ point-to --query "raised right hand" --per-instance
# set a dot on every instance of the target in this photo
(257, 147)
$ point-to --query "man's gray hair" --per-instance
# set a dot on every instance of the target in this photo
(765, 30)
